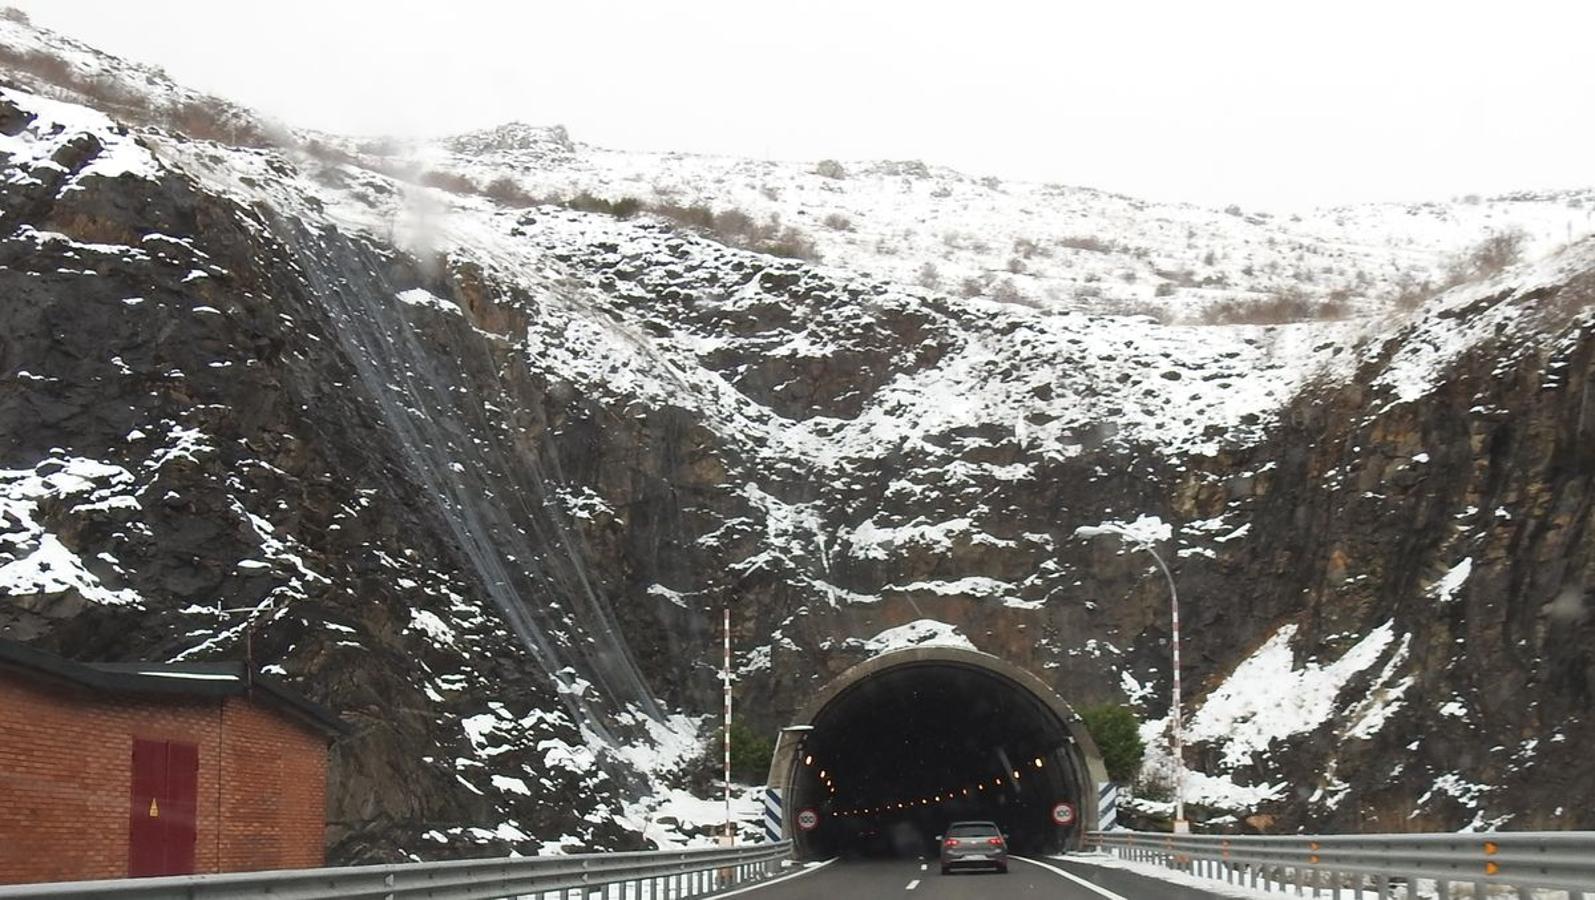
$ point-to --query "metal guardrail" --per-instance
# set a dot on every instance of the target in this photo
(650, 875)
(1386, 865)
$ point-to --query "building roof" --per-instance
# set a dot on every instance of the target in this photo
(176, 680)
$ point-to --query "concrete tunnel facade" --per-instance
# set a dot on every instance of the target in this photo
(900, 744)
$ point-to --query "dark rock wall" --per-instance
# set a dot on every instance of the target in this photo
(321, 473)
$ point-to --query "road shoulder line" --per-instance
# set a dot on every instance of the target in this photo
(788, 877)
(1072, 877)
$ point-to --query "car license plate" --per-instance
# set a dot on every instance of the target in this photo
(975, 856)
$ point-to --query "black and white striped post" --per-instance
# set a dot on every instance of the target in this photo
(1108, 806)
(726, 676)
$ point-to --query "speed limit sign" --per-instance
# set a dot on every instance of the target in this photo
(808, 819)
(1063, 814)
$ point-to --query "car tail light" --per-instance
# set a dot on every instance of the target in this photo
(951, 842)
(995, 842)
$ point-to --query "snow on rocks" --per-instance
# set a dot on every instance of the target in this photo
(1268, 698)
(34, 560)
(918, 633)
(1445, 590)
(53, 128)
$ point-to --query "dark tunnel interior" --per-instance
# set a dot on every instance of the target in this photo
(894, 758)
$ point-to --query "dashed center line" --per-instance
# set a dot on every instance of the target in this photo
(923, 866)
(912, 884)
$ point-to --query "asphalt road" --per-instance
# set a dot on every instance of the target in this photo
(916, 880)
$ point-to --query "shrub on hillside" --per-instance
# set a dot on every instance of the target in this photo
(624, 208)
(1117, 733)
(1498, 251)
(1025, 248)
(1005, 291)
(508, 191)
(830, 168)
(695, 216)
(1086, 242)
(203, 118)
(790, 243)
(838, 222)
(739, 226)
(1286, 304)
(448, 181)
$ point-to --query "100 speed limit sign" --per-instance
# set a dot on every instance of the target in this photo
(808, 819)
(1063, 814)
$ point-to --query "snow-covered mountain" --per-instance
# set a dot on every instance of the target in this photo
(478, 471)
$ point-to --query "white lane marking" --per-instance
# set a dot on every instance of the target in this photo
(764, 884)
(1074, 878)
(912, 884)
(923, 867)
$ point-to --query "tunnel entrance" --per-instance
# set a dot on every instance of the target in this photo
(901, 745)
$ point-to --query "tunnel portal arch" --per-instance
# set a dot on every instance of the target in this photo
(897, 745)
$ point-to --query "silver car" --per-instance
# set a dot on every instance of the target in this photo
(973, 845)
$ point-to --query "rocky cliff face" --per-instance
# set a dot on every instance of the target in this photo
(481, 478)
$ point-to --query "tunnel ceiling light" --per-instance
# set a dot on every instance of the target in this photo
(808, 760)
(1038, 762)
(822, 773)
(1015, 774)
(966, 792)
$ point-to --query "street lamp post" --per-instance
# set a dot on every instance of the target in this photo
(1139, 542)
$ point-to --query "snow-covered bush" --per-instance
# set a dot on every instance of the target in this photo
(830, 168)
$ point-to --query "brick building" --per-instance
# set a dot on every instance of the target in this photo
(109, 771)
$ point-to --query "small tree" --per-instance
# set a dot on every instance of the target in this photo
(750, 754)
(1499, 250)
(830, 168)
(1117, 733)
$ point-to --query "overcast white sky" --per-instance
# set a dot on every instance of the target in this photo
(1266, 104)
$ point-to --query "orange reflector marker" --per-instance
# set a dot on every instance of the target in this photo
(1313, 859)
(1491, 848)
(1492, 868)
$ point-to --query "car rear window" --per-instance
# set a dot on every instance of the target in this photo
(972, 831)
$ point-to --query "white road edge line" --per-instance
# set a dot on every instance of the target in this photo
(912, 884)
(764, 884)
(1074, 878)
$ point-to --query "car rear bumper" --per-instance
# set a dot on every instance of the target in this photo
(992, 861)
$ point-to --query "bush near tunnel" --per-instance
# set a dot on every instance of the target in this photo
(1117, 731)
(750, 757)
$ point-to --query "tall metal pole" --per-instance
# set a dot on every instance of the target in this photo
(725, 673)
(1180, 825)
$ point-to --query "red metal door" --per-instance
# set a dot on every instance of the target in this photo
(161, 831)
